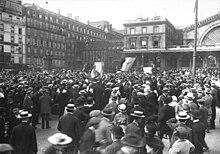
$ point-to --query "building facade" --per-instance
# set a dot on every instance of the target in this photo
(55, 41)
(158, 43)
(107, 51)
(12, 34)
(147, 39)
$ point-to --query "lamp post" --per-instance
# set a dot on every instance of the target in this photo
(195, 40)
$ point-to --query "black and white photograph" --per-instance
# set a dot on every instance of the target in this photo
(109, 76)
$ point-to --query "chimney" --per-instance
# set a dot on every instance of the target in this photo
(58, 11)
(69, 15)
(76, 18)
(87, 22)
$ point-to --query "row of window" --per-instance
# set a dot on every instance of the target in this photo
(43, 43)
(20, 59)
(14, 19)
(12, 29)
(40, 62)
(12, 39)
(54, 20)
(42, 53)
(144, 30)
(144, 42)
(43, 34)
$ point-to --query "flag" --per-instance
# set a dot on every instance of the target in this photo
(196, 6)
(97, 70)
(128, 63)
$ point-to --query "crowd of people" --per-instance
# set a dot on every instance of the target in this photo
(116, 113)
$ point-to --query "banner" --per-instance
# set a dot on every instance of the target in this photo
(147, 70)
(129, 61)
(97, 69)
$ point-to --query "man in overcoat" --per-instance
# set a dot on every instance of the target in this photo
(165, 113)
(69, 124)
(23, 138)
(45, 102)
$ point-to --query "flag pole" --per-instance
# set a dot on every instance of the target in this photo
(195, 39)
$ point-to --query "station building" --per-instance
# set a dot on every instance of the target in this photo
(157, 43)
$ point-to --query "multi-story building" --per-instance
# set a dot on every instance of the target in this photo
(12, 34)
(156, 42)
(147, 39)
(55, 41)
(107, 51)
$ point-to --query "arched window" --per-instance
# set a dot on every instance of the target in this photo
(185, 61)
(211, 61)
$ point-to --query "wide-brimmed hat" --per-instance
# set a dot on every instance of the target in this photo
(117, 131)
(70, 107)
(133, 140)
(195, 114)
(5, 148)
(107, 111)
(59, 139)
(122, 108)
(138, 114)
(182, 115)
(24, 114)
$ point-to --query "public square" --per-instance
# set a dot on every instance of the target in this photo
(212, 138)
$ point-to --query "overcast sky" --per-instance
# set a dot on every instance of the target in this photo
(178, 12)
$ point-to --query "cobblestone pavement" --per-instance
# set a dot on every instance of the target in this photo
(212, 138)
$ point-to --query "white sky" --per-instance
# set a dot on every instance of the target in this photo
(178, 12)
